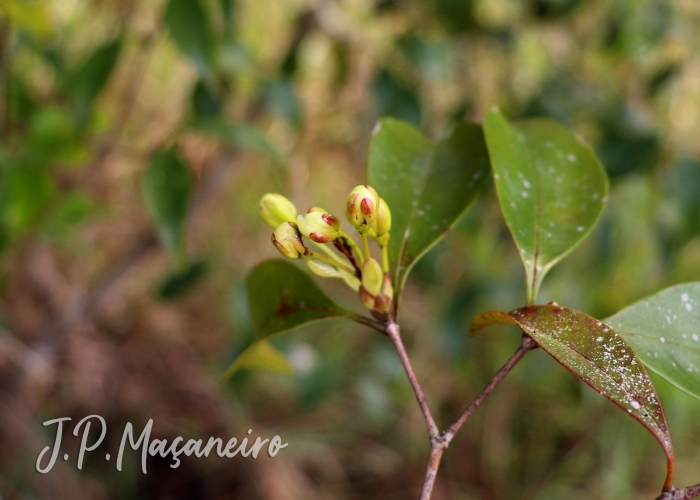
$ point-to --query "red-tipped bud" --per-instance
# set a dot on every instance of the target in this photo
(361, 207)
(319, 226)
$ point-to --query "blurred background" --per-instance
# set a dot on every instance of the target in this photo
(136, 140)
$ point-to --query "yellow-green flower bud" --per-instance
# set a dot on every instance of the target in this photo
(383, 223)
(287, 240)
(276, 209)
(322, 268)
(387, 287)
(361, 207)
(350, 280)
(366, 298)
(372, 276)
(327, 270)
(316, 209)
(319, 226)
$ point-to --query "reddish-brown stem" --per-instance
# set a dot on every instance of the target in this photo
(436, 452)
(345, 249)
(392, 330)
(526, 345)
(441, 442)
(682, 494)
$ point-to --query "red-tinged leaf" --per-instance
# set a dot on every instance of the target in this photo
(596, 354)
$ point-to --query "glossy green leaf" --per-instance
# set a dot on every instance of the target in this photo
(166, 191)
(190, 28)
(427, 185)
(260, 356)
(596, 354)
(86, 82)
(551, 187)
(664, 330)
(282, 297)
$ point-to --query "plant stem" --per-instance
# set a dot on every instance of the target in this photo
(332, 262)
(329, 252)
(354, 246)
(441, 442)
(432, 469)
(526, 345)
(365, 245)
(392, 330)
(385, 258)
(682, 494)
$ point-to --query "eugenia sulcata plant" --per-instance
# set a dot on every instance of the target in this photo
(552, 190)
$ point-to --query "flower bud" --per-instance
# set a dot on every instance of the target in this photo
(366, 298)
(319, 225)
(387, 287)
(287, 240)
(361, 207)
(328, 270)
(372, 276)
(382, 307)
(276, 209)
(350, 280)
(383, 223)
(322, 268)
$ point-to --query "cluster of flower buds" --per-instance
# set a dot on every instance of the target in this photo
(368, 213)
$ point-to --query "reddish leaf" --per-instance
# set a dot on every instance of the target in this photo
(596, 354)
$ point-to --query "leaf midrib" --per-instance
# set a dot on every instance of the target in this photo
(414, 211)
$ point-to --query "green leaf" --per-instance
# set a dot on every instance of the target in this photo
(166, 191)
(282, 297)
(189, 26)
(86, 82)
(596, 354)
(260, 356)
(428, 186)
(551, 188)
(664, 330)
